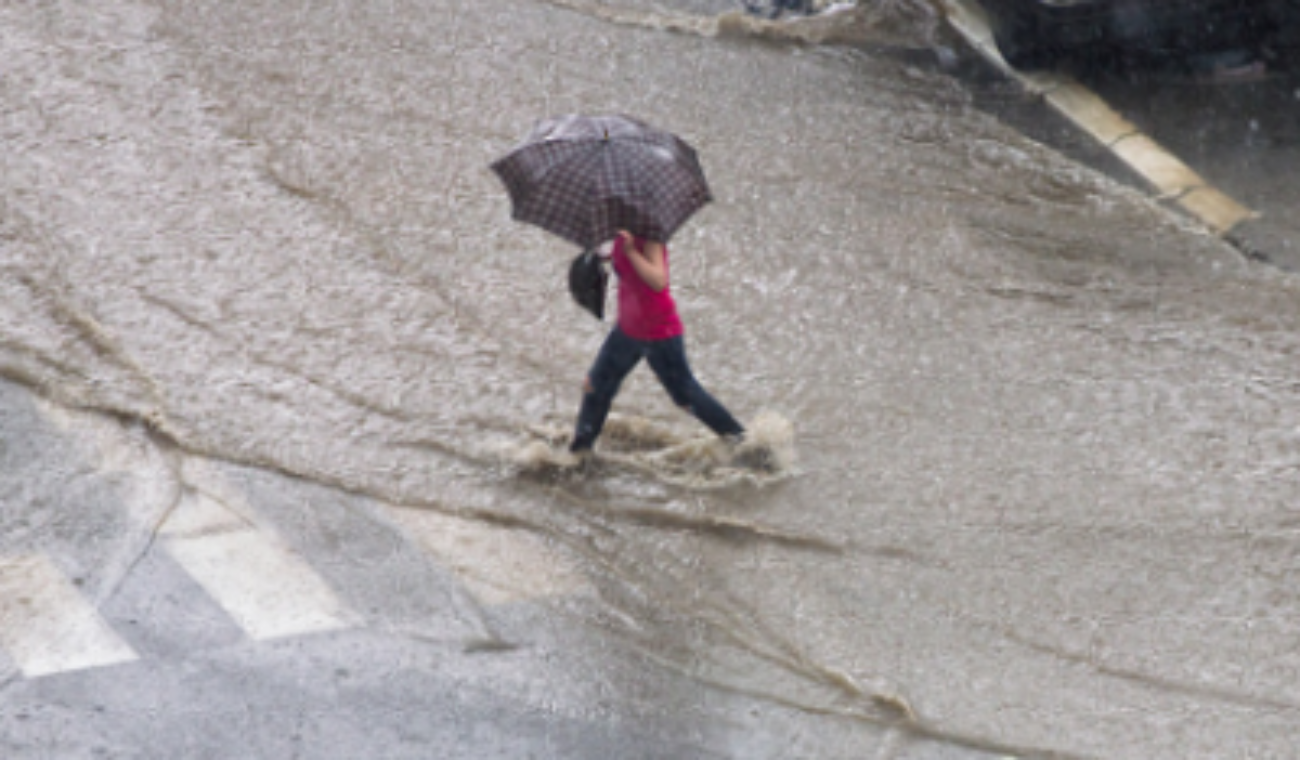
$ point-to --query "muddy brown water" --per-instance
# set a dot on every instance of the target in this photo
(1041, 494)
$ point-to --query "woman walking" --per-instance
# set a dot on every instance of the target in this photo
(648, 327)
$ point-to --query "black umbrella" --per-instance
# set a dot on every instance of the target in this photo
(584, 178)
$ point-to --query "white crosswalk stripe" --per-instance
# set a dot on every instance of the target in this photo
(267, 589)
(498, 565)
(217, 538)
(46, 626)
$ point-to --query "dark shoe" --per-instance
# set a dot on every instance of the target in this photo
(751, 456)
(583, 457)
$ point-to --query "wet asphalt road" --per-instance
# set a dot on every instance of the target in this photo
(417, 664)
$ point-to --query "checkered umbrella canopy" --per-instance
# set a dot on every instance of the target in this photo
(586, 177)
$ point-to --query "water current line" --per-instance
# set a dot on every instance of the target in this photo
(665, 20)
(1142, 679)
(888, 711)
(816, 29)
(777, 651)
(347, 219)
(65, 311)
(113, 585)
(783, 656)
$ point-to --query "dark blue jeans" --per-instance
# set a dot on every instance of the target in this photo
(617, 357)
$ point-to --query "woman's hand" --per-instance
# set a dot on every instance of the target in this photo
(648, 262)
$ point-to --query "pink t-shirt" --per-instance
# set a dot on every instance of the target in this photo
(642, 313)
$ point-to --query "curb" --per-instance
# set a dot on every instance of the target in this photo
(1171, 179)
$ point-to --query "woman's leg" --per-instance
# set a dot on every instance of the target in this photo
(617, 357)
(668, 360)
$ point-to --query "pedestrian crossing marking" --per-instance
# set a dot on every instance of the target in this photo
(198, 515)
(47, 626)
(498, 565)
(268, 590)
(214, 536)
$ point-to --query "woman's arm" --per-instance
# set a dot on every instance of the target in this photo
(648, 263)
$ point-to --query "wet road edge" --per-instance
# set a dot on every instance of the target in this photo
(1172, 180)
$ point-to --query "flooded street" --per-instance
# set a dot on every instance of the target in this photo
(1041, 494)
